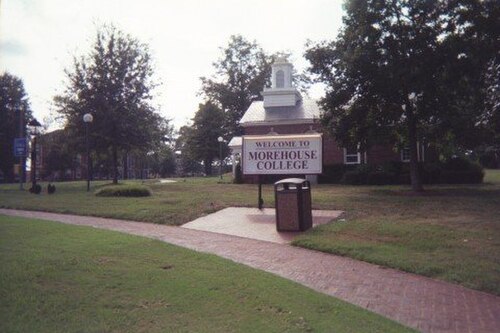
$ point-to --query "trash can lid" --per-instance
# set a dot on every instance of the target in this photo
(291, 181)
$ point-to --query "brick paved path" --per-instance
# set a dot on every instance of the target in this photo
(422, 303)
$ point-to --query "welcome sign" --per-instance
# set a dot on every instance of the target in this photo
(282, 154)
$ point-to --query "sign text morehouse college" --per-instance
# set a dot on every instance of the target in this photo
(282, 154)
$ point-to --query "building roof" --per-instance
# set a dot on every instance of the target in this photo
(304, 112)
(235, 142)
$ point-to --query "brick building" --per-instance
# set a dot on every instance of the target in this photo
(284, 110)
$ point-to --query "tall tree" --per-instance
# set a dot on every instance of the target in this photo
(162, 161)
(396, 72)
(114, 83)
(58, 155)
(186, 162)
(241, 73)
(200, 140)
(480, 21)
(15, 112)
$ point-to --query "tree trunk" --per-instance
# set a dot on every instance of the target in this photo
(125, 165)
(208, 167)
(115, 165)
(416, 181)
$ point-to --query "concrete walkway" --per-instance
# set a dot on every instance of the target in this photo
(425, 304)
(254, 223)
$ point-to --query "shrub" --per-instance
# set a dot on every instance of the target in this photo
(353, 177)
(238, 175)
(461, 177)
(51, 189)
(490, 159)
(332, 174)
(431, 173)
(459, 164)
(124, 191)
(395, 167)
(461, 171)
(36, 190)
(381, 178)
(454, 171)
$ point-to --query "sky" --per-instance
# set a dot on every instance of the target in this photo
(39, 38)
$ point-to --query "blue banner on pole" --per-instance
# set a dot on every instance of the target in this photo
(20, 147)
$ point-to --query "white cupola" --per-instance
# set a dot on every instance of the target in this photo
(282, 74)
(282, 91)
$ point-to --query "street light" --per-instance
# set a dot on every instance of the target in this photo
(35, 124)
(87, 118)
(221, 140)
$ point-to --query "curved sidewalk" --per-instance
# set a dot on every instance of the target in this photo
(422, 303)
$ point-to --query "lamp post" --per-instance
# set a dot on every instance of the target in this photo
(221, 140)
(22, 168)
(87, 118)
(34, 124)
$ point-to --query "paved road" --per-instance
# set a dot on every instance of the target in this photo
(419, 302)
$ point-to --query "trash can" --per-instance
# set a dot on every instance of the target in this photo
(293, 204)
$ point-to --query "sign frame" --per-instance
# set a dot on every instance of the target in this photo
(293, 137)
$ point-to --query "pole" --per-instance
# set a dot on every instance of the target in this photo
(88, 154)
(21, 158)
(220, 160)
(261, 201)
(33, 164)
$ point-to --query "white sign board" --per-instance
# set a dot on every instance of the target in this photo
(282, 154)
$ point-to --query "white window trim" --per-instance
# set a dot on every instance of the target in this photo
(402, 156)
(358, 155)
(279, 72)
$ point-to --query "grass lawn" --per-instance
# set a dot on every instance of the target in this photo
(451, 232)
(61, 278)
(171, 203)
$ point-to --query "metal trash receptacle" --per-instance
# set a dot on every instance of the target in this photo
(293, 204)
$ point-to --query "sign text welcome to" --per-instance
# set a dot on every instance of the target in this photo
(282, 154)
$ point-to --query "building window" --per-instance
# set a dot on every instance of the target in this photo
(352, 156)
(280, 79)
(405, 154)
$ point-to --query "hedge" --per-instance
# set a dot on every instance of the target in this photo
(124, 191)
(453, 171)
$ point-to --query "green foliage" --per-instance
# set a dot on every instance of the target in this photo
(128, 190)
(37, 189)
(199, 141)
(161, 160)
(489, 156)
(58, 153)
(461, 171)
(407, 70)
(241, 74)
(13, 105)
(431, 173)
(332, 174)
(114, 82)
(454, 171)
(51, 189)
(238, 174)
(353, 177)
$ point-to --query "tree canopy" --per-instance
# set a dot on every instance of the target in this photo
(403, 70)
(241, 74)
(199, 141)
(14, 105)
(113, 82)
